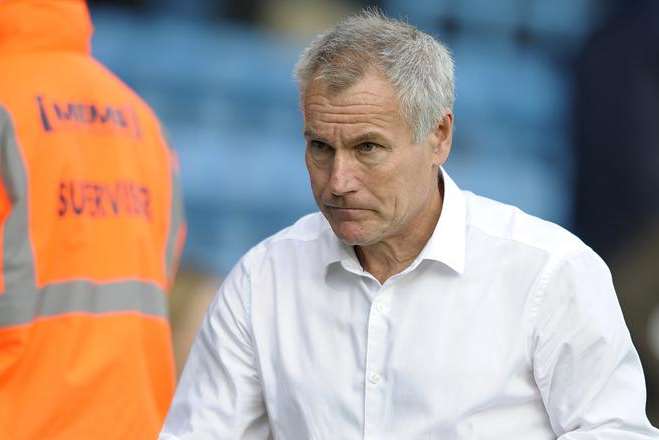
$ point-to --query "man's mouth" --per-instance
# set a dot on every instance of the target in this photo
(346, 213)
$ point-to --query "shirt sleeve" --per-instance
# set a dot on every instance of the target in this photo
(585, 364)
(220, 394)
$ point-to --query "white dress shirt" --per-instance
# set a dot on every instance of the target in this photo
(505, 327)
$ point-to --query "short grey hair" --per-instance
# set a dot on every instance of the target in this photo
(419, 67)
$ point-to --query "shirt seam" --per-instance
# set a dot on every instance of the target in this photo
(255, 351)
(540, 296)
(537, 291)
(511, 239)
(283, 236)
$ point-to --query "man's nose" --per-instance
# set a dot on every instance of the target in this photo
(342, 179)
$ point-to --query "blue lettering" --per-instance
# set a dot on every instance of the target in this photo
(121, 120)
(61, 211)
(50, 112)
(107, 116)
(80, 205)
(70, 113)
(100, 200)
(43, 114)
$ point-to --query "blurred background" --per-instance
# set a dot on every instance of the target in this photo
(557, 112)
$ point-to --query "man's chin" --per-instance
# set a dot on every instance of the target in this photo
(352, 235)
(351, 241)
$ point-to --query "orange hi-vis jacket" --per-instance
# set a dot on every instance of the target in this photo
(90, 230)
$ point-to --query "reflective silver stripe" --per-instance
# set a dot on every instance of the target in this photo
(17, 261)
(83, 296)
(21, 302)
(176, 221)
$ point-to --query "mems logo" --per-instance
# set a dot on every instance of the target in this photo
(57, 115)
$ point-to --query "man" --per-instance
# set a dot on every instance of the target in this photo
(90, 231)
(408, 309)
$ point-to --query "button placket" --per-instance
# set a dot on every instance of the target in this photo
(374, 378)
(375, 382)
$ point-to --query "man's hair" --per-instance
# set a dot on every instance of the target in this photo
(419, 67)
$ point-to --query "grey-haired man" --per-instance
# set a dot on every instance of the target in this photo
(406, 308)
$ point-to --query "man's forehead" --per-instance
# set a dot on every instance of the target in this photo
(365, 110)
(353, 119)
(370, 89)
(360, 104)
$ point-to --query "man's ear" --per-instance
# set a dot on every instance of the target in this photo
(442, 137)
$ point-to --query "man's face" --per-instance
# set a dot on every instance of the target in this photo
(369, 179)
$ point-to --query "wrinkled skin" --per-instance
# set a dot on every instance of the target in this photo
(376, 187)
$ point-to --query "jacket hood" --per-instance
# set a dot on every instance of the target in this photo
(34, 25)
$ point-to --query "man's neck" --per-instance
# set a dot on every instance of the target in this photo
(394, 254)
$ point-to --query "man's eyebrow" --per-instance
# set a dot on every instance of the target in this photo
(308, 134)
(369, 136)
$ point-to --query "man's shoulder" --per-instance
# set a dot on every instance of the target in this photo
(306, 232)
(307, 228)
(507, 222)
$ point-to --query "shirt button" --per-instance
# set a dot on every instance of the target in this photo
(379, 307)
(374, 378)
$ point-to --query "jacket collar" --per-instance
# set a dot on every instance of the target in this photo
(36, 25)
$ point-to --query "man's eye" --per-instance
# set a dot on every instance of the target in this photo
(367, 147)
(320, 150)
(319, 146)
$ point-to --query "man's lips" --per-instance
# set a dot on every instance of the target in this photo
(346, 208)
(346, 212)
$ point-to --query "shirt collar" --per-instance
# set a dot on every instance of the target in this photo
(339, 252)
(446, 244)
(448, 241)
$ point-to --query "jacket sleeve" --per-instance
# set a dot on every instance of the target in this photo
(6, 132)
(4, 145)
(220, 393)
(585, 364)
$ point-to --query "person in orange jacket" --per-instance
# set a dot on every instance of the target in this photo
(91, 228)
